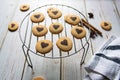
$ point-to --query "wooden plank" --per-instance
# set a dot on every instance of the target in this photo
(7, 12)
(44, 67)
(102, 13)
(11, 54)
(117, 8)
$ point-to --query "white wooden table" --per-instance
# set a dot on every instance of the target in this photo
(12, 58)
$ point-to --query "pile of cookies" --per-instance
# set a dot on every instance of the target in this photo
(64, 43)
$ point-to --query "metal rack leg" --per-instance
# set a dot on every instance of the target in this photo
(27, 60)
(27, 57)
(84, 55)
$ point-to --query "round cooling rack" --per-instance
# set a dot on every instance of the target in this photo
(29, 40)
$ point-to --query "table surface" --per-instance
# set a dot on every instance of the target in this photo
(12, 58)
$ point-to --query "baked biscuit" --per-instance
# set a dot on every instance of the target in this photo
(38, 78)
(44, 46)
(37, 17)
(56, 28)
(54, 13)
(39, 30)
(13, 26)
(78, 32)
(72, 19)
(64, 44)
(24, 7)
(106, 25)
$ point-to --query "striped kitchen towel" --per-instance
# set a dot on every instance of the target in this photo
(105, 64)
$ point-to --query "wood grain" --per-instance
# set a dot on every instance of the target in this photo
(11, 54)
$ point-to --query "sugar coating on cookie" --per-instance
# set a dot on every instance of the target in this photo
(44, 46)
(78, 32)
(37, 17)
(24, 7)
(56, 28)
(106, 25)
(54, 13)
(13, 26)
(39, 30)
(38, 78)
(64, 43)
(72, 19)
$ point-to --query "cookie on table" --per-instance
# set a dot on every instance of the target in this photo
(64, 43)
(56, 28)
(24, 7)
(38, 78)
(13, 26)
(54, 13)
(72, 19)
(78, 32)
(106, 25)
(39, 30)
(37, 17)
(44, 46)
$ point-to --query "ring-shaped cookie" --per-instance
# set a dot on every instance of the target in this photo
(39, 30)
(56, 28)
(78, 32)
(106, 25)
(44, 46)
(37, 17)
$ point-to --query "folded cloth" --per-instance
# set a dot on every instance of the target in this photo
(105, 64)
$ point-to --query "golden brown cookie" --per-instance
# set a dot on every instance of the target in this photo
(106, 25)
(72, 19)
(38, 78)
(37, 17)
(13, 26)
(39, 30)
(54, 13)
(24, 7)
(78, 32)
(56, 28)
(64, 44)
(44, 46)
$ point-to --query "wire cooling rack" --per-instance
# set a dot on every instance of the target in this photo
(29, 40)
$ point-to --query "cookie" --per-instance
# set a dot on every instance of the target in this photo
(39, 30)
(13, 26)
(78, 32)
(56, 28)
(24, 7)
(54, 13)
(37, 17)
(72, 19)
(64, 44)
(44, 46)
(38, 78)
(106, 25)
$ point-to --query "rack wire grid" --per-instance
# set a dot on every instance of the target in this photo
(29, 40)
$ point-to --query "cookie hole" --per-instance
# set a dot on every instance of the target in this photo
(105, 24)
(54, 12)
(12, 25)
(39, 29)
(56, 26)
(73, 18)
(64, 42)
(43, 44)
(79, 31)
(24, 6)
(37, 16)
